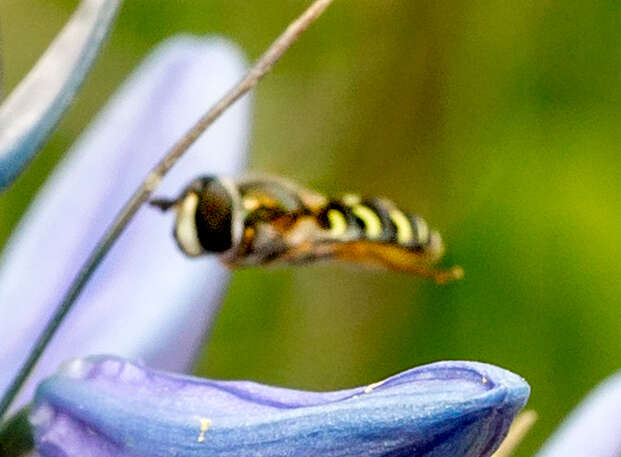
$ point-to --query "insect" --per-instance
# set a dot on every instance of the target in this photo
(262, 220)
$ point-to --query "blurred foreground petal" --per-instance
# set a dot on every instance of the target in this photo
(105, 407)
(146, 300)
(593, 429)
(32, 110)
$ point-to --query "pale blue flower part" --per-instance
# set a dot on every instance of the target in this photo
(593, 429)
(32, 110)
(108, 407)
(147, 300)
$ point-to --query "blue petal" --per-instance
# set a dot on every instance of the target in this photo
(109, 407)
(29, 114)
(593, 429)
(147, 300)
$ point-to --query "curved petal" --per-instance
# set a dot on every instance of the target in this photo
(594, 428)
(29, 114)
(147, 300)
(108, 407)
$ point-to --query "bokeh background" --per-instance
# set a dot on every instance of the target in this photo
(499, 122)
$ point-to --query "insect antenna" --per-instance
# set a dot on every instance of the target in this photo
(162, 203)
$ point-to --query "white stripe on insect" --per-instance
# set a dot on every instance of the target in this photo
(423, 230)
(186, 225)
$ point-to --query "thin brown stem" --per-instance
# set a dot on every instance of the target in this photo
(520, 427)
(142, 194)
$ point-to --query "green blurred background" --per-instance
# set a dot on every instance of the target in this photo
(497, 121)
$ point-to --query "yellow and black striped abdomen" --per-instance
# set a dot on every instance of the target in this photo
(352, 218)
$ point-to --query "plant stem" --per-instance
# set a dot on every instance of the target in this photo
(144, 191)
(520, 427)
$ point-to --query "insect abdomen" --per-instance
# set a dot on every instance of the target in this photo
(352, 218)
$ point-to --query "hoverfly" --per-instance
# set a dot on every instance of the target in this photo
(263, 220)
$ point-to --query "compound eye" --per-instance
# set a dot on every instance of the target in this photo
(214, 216)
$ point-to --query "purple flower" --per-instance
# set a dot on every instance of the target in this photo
(109, 407)
(147, 300)
(594, 428)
